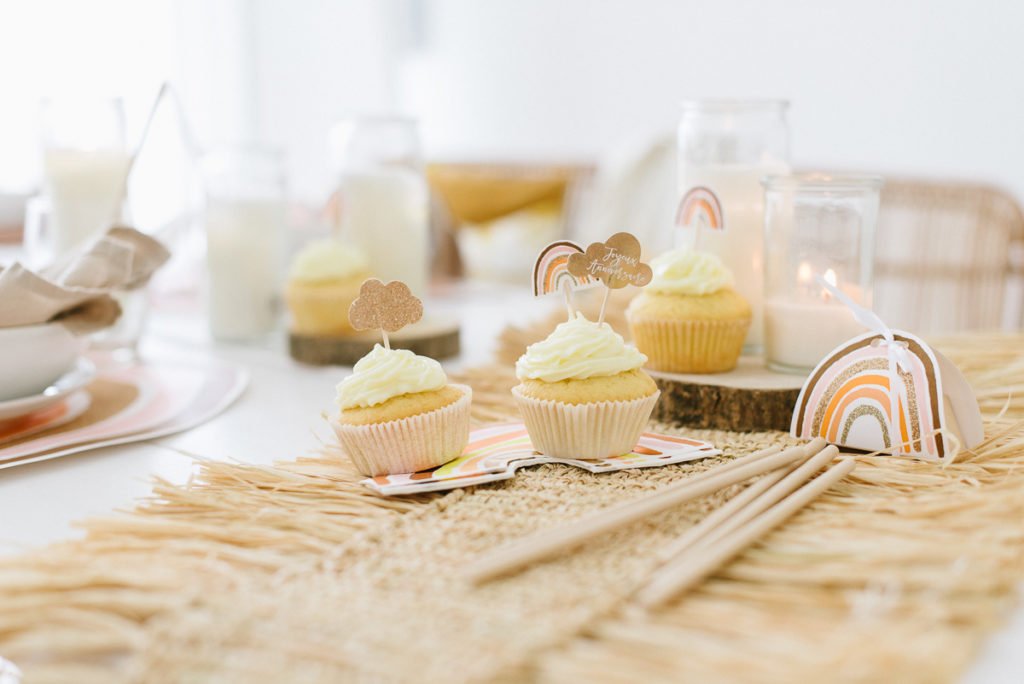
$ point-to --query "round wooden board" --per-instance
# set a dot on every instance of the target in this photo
(436, 339)
(749, 398)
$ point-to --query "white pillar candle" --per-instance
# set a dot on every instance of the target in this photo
(739, 241)
(800, 332)
(385, 212)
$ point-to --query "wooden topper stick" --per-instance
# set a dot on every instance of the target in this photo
(567, 289)
(557, 541)
(604, 304)
(683, 574)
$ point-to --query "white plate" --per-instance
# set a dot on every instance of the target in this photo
(78, 377)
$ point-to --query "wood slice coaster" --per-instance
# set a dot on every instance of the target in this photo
(749, 398)
(438, 339)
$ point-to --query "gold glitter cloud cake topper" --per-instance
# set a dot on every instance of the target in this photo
(387, 308)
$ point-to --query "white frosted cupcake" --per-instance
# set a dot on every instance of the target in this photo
(690, 319)
(323, 282)
(399, 414)
(582, 392)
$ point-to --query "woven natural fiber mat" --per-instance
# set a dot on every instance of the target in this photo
(294, 573)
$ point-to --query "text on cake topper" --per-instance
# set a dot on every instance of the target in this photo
(615, 262)
(387, 308)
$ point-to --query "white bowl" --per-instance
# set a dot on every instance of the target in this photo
(32, 357)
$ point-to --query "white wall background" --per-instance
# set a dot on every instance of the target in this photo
(916, 87)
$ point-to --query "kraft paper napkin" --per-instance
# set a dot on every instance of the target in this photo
(77, 293)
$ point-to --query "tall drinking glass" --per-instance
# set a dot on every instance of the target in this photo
(245, 241)
(816, 226)
(385, 203)
(85, 161)
(725, 148)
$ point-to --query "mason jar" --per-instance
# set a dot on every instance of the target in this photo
(818, 227)
(725, 148)
(383, 196)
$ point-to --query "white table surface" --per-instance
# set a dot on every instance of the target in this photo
(277, 417)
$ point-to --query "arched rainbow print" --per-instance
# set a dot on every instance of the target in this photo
(700, 208)
(551, 270)
(848, 400)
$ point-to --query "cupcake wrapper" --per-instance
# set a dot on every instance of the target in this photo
(690, 346)
(408, 445)
(584, 431)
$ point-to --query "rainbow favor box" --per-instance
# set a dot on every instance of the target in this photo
(857, 397)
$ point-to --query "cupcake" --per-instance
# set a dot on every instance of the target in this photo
(399, 414)
(323, 281)
(690, 319)
(582, 392)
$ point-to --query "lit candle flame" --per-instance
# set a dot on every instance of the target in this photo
(830, 278)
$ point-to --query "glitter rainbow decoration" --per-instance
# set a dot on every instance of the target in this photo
(850, 397)
(551, 270)
(700, 208)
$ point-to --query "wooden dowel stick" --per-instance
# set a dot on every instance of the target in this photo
(721, 514)
(553, 542)
(604, 303)
(778, 491)
(676, 578)
(567, 290)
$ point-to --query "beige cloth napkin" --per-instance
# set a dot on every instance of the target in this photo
(78, 293)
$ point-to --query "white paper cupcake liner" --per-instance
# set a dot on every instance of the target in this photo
(587, 431)
(408, 445)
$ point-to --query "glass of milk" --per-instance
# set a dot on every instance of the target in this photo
(383, 196)
(725, 148)
(85, 163)
(245, 241)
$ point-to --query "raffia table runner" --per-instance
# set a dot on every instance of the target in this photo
(294, 573)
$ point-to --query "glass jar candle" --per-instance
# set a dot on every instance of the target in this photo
(815, 226)
(245, 240)
(725, 148)
(384, 199)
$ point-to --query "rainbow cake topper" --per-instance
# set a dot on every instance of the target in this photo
(551, 272)
(700, 208)
(888, 391)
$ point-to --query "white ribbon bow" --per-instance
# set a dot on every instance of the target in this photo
(899, 356)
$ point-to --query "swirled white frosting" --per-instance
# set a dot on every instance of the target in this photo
(578, 349)
(327, 260)
(689, 272)
(386, 373)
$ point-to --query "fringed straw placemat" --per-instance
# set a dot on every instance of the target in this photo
(295, 573)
